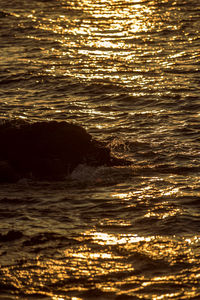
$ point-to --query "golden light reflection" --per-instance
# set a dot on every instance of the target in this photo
(112, 264)
(159, 209)
(120, 223)
(161, 215)
(103, 238)
(117, 42)
(171, 191)
(124, 196)
(99, 31)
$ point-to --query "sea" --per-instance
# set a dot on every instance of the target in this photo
(128, 71)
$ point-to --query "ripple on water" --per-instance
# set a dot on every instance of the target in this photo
(128, 73)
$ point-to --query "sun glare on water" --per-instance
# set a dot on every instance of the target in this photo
(98, 39)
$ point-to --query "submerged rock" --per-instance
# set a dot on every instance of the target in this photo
(48, 150)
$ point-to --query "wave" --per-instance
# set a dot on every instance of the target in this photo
(48, 150)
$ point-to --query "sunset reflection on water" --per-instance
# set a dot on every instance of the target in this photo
(106, 41)
(114, 256)
(111, 262)
(128, 72)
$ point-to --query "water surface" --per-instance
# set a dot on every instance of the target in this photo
(127, 71)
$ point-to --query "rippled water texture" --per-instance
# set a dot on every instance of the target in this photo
(128, 71)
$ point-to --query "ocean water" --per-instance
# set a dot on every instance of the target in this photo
(128, 72)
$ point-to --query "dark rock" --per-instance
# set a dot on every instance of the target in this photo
(7, 173)
(48, 150)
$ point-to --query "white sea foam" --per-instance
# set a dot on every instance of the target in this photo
(89, 174)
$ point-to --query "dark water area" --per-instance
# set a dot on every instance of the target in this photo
(129, 73)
